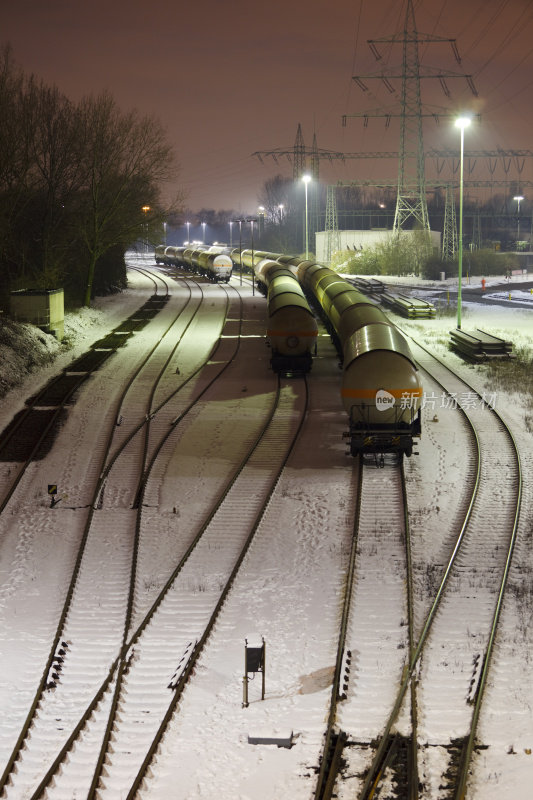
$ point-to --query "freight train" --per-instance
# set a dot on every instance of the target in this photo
(211, 262)
(380, 388)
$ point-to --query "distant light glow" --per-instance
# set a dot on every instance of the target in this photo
(306, 178)
(463, 122)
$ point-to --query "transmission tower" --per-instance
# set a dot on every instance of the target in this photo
(298, 164)
(333, 237)
(411, 198)
(476, 231)
(299, 153)
(449, 235)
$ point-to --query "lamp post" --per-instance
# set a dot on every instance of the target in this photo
(165, 233)
(188, 224)
(281, 207)
(203, 232)
(230, 233)
(253, 271)
(461, 123)
(306, 179)
(518, 199)
(240, 248)
(145, 209)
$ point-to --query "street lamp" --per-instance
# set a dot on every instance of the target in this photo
(240, 248)
(518, 199)
(253, 271)
(188, 224)
(230, 232)
(203, 231)
(146, 209)
(306, 179)
(462, 123)
(165, 232)
(281, 207)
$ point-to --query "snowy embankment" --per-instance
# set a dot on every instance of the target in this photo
(29, 357)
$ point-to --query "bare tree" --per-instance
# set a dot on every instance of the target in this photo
(277, 197)
(126, 158)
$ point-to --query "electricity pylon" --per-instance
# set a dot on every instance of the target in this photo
(333, 237)
(411, 200)
(449, 234)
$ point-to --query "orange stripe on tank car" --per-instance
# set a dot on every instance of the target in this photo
(291, 333)
(369, 394)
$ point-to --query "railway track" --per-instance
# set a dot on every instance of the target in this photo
(31, 433)
(62, 652)
(375, 638)
(450, 661)
(466, 632)
(159, 655)
(278, 595)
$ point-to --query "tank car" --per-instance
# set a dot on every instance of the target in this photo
(160, 253)
(291, 327)
(381, 390)
(211, 262)
(165, 255)
(215, 265)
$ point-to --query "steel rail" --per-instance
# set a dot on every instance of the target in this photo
(145, 271)
(323, 781)
(229, 584)
(460, 792)
(34, 404)
(330, 764)
(75, 573)
(467, 753)
(125, 647)
(129, 642)
(415, 655)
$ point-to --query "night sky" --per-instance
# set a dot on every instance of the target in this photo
(231, 78)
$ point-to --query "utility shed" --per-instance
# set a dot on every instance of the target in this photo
(41, 307)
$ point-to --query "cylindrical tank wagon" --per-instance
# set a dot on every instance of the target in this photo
(381, 390)
(212, 262)
(291, 327)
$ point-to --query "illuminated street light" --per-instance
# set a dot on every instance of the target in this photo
(188, 224)
(145, 210)
(462, 123)
(281, 207)
(203, 231)
(306, 179)
(230, 233)
(240, 248)
(518, 199)
(253, 271)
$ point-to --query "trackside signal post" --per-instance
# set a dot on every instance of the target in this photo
(254, 661)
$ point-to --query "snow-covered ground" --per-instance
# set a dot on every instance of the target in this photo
(288, 582)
